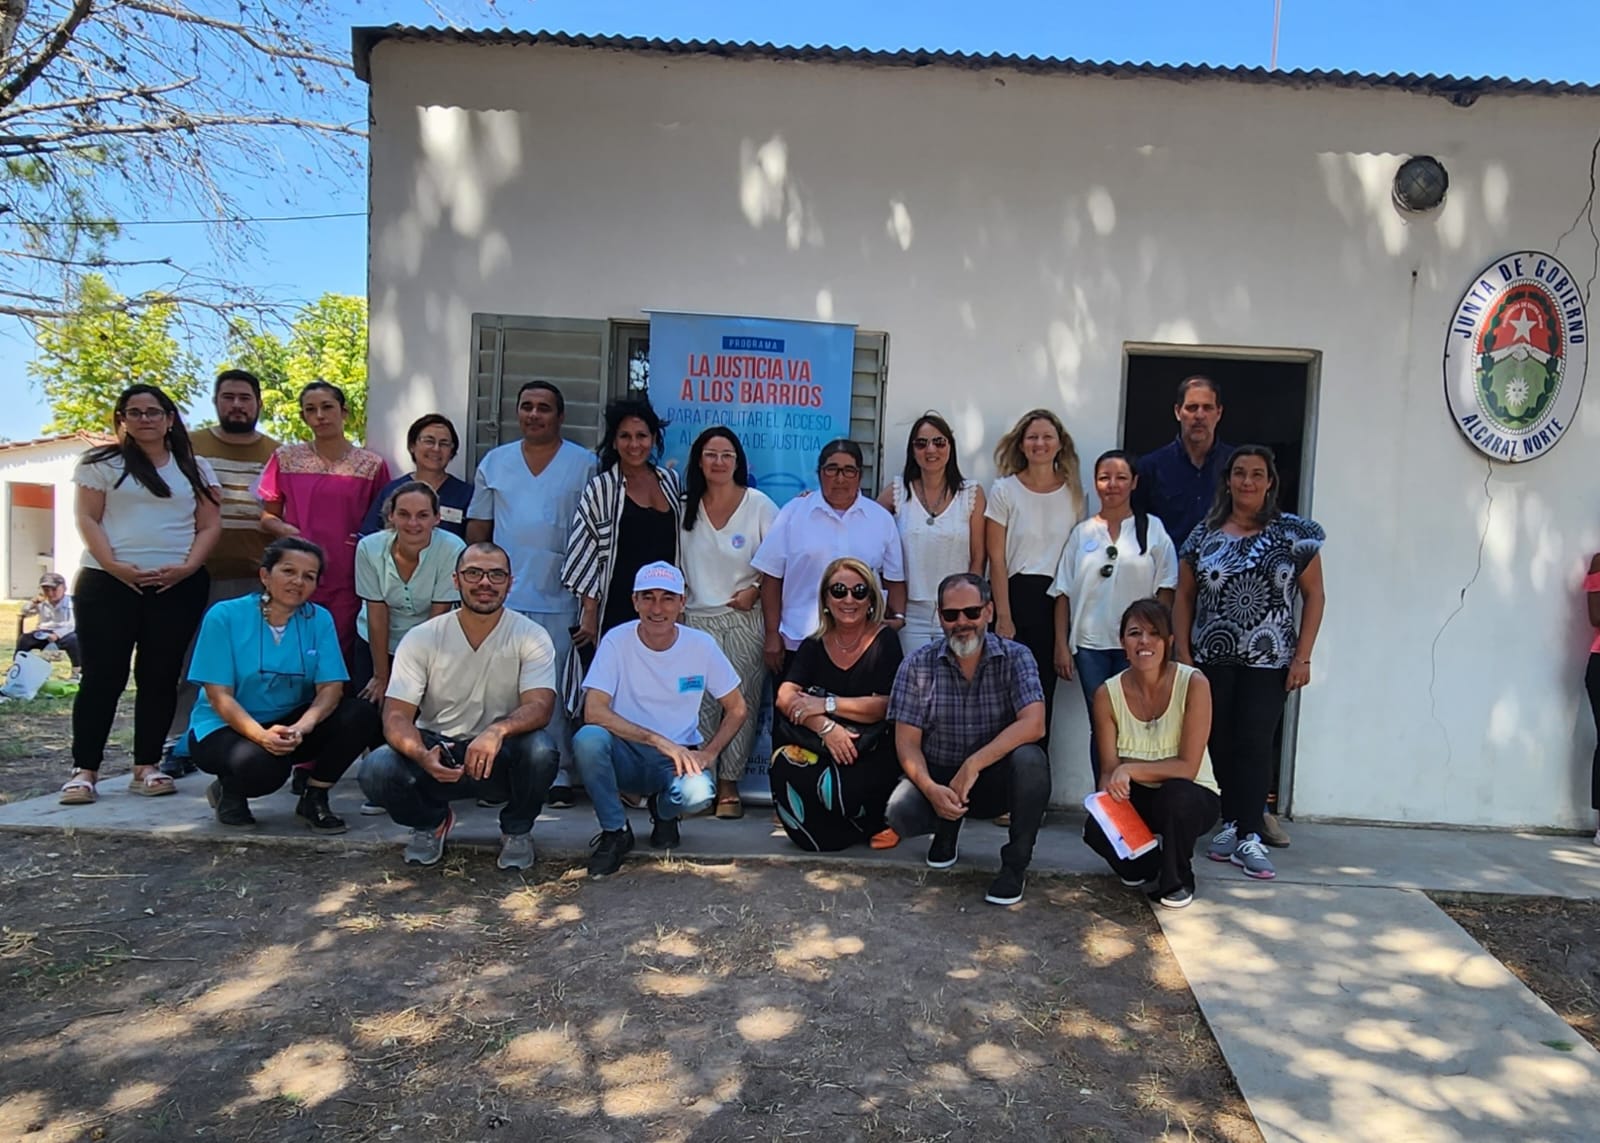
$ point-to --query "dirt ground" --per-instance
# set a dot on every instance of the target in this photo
(1551, 944)
(158, 991)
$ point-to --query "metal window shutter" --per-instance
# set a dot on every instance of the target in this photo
(510, 351)
(868, 378)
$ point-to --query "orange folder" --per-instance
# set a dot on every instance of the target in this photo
(1130, 837)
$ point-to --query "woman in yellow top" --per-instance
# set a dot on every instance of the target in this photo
(1151, 725)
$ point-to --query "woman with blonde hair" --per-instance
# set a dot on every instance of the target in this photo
(1033, 507)
(834, 765)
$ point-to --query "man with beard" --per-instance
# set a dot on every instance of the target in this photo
(470, 695)
(1178, 481)
(968, 713)
(238, 453)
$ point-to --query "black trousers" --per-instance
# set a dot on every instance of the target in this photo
(1034, 613)
(33, 641)
(117, 624)
(1018, 784)
(1246, 708)
(1180, 812)
(253, 772)
(1591, 682)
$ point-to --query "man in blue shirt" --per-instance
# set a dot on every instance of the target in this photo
(968, 713)
(1178, 481)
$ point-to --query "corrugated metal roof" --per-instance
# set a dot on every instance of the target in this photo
(1461, 91)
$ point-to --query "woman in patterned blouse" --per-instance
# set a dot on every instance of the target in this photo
(1240, 575)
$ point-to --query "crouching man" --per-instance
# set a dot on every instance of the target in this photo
(642, 706)
(469, 697)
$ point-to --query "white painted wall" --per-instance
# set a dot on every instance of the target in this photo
(1011, 232)
(50, 463)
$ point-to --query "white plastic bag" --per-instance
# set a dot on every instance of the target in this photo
(28, 672)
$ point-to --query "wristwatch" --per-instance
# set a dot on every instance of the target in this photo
(830, 704)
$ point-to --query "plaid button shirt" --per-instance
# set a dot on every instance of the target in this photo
(958, 716)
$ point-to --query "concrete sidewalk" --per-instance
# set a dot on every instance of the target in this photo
(1347, 1004)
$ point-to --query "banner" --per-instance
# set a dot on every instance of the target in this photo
(782, 386)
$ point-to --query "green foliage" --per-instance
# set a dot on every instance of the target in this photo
(327, 341)
(85, 360)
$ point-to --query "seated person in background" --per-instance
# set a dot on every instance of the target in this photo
(642, 705)
(834, 765)
(272, 693)
(469, 698)
(1151, 723)
(968, 711)
(56, 626)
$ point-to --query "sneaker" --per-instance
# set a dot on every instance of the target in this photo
(426, 846)
(372, 810)
(173, 764)
(560, 798)
(1134, 882)
(231, 809)
(313, 808)
(1006, 889)
(516, 851)
(943, 850)
(663, 834)
(1251, 856)
(1224, 842)
(1179, 898)
(1273, 833)
(487, 804)
(607, 849)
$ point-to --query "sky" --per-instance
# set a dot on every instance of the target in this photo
(306, 258)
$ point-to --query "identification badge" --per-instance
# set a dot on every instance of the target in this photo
(450, 515)
(688, 684)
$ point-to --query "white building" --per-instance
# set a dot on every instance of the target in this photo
(1009, 233)
(36, 490)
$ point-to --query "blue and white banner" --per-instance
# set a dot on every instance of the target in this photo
(782, 386)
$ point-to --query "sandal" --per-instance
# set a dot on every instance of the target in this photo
(884, 839)
(730, 807)
(152, 784)
(78, 792)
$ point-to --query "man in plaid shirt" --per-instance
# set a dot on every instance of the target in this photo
(968, 711)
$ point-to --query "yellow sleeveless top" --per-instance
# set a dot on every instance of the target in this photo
(1158, 740)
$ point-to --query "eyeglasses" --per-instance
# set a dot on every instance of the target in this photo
(435, 442)
(496, 576)
(951, 614)
(143, 414)
(834, 471)
(854, 591)
(929, 442)
(1111, 554)
(719, 457)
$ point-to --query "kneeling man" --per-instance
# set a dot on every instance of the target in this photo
(469, 697)
(968, 713)
(642, 708)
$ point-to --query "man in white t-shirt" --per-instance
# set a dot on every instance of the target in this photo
(469, 697)
(642, 706)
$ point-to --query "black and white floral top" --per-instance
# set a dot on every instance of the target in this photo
(1247, 587)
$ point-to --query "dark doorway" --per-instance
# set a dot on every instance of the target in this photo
(1263, 402)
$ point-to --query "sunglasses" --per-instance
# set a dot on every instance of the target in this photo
(854, 591)
(1111, 554)
(496, 576)
(929, 442)
(951, 614)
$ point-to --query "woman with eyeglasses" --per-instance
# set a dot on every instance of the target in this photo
(321, 490)
(1033, 507)
(433, 444)
(939, 515)
(149, 512)
(724, 522)
(405, 574)
(1106, 566)
(1242, 573)
(272, 683)
(812, 531)
(833, 763)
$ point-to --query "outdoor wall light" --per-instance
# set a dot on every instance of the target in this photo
(1420, 184)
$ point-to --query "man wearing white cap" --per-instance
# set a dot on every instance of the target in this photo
(56, 626)
(642, 709)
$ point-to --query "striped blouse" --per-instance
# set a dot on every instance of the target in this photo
(586, 572)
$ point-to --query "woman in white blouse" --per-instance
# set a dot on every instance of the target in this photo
(939, 515)
(1033, 507)
(1104, 568)
(724, 522)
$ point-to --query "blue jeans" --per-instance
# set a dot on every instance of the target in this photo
(608, 764)
(1093, 669)
(557, 625)
(520, 777)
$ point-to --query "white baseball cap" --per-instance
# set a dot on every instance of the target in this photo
(659, 576)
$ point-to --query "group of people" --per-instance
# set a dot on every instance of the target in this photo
(603, 619)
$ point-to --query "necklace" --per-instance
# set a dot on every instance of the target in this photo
(937, 506)
(848, 649)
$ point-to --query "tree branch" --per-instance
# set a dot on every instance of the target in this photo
(34, 68)
(283, 49)
(76, 139)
